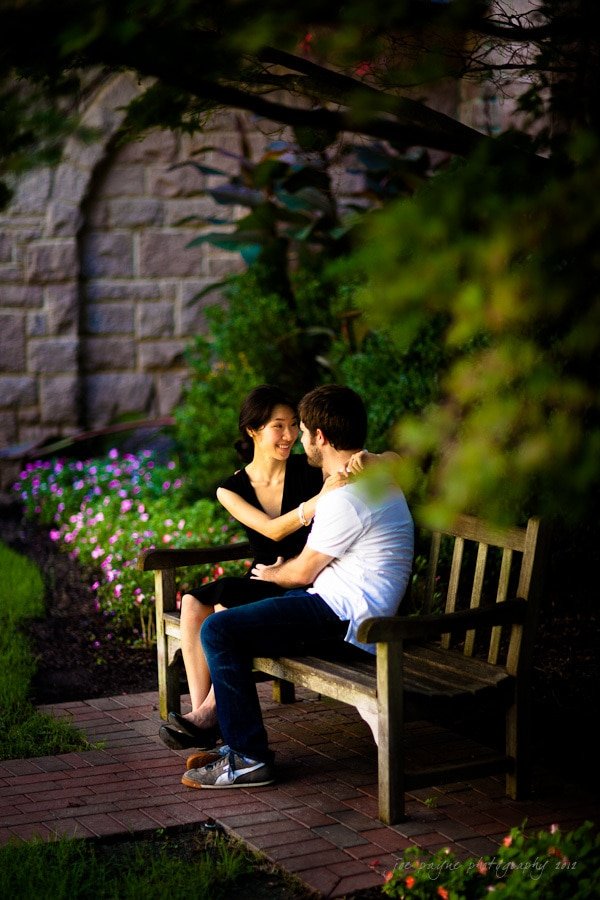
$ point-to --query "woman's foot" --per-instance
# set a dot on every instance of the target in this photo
(205, 737)
(175, 740)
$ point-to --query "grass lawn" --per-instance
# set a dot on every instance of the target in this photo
(199, 864)
(24, 732)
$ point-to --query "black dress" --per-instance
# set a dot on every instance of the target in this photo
(301, 482)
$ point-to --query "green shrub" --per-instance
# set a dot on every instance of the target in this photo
(258, 336)
(391, 381)
(546, 864)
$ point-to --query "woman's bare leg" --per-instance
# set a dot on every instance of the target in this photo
(193, 615)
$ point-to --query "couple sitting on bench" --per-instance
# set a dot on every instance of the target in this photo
(306, 584)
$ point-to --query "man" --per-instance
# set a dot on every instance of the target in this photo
(357, 558)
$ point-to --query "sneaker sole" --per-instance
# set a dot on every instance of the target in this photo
(188, 782)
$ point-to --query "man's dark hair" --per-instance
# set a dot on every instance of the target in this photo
(340, 414)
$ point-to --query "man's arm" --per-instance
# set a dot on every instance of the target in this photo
(297, 572)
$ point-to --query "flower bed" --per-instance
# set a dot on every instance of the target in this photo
(102, 512)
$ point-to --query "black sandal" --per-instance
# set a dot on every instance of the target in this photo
(175, 740)
(205, 738)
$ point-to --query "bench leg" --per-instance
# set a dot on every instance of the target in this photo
(518, 781)
(283, 691)
(169, 694)
(391, 757)
(168, 672)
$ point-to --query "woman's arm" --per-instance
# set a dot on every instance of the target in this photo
(280, 526)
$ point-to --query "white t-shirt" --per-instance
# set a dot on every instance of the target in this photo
(372, 538)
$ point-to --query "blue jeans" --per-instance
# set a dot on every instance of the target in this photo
(277, 626)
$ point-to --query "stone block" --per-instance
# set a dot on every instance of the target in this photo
(169, 391)
(28, 415)
(17, 390)
(132, 291)
(161, 354)
(135, 213)
(6, 248)
(192, 318)
(9, 474)
(123, 181)
(101, 353)
(163, 255)
(37, 433)
(8, 428)
(109, 396)
(109, 318)
(181, 182)
(71, 181)
(32, 193)
(63, 219)
(62, 304)
(156, 320)
(37, 324)
(158, 145)
(105, 255)
(220, 265)
(49, 261)
(179, 209)
(12, 342)
(49, 355)
(59, 400)
(20, 295)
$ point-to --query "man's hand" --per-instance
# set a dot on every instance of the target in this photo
(263, 572)
(299, 571)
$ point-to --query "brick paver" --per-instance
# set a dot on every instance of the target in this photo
(319, 821)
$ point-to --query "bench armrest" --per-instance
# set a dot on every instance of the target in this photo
(387, 629)
(173, 559)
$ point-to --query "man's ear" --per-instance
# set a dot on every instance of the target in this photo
(320, 438)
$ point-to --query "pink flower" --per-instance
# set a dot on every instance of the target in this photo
(507, 840)
(167, 538)
(54, 534)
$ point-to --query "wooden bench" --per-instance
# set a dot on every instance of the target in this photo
(475, 652)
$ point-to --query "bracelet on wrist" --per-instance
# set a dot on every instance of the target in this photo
(301, 515)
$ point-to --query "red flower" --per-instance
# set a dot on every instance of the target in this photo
(305, 43)
(409, 881)
(363, 69)
(442, 892)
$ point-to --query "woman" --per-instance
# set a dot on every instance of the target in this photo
(274, 498)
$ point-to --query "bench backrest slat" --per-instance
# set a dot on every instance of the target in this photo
(478, 562)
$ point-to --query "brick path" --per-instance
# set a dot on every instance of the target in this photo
(320, 820)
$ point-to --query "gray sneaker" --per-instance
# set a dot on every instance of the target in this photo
(230, 770)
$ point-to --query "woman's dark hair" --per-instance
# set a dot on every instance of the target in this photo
(340, 414)
(255, 412)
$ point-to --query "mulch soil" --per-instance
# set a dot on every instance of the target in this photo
(69, 667)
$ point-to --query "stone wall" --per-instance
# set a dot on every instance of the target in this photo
(97, 286)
